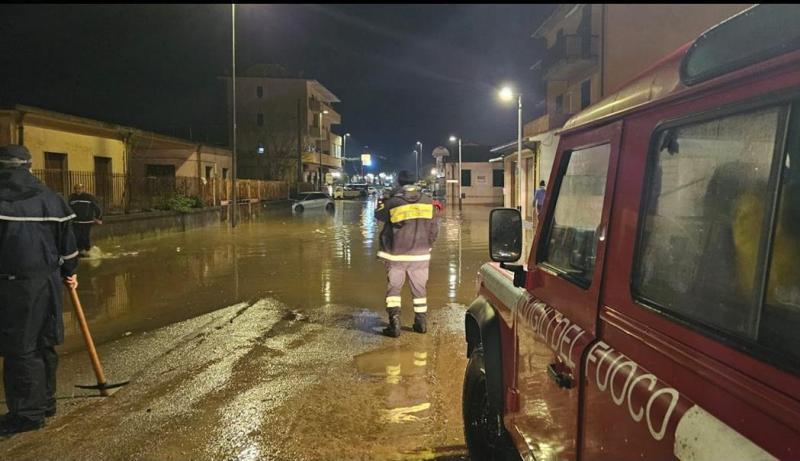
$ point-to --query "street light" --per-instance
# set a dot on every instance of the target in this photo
(319, 173)
(234, 194)
(453, 139)
(507, 94)
(419, 143)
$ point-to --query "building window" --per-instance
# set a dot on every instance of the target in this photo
(260, 91)
(586, 94)
(560, 104)
(498, 178)
(260, 120)
(224, 173)
(571, 243)
(466, 178)
(160, 171)
(711, 250)
(260, 149)
(209, 170)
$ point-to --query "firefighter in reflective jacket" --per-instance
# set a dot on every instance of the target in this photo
(87, 213)
(410, 228)
(38, 251)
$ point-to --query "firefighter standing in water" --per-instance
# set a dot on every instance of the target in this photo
(87, 213)
(410, 228)
(38, 252)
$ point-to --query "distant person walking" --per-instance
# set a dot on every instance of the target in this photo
(88, 213)
(538, 198)
(410, 229)
(38, 253)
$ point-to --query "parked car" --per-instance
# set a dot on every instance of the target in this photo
(313, 200)
(657, 316)
(346, 192)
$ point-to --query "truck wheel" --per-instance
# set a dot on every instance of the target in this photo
(485, 440)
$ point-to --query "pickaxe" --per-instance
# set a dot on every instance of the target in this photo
(101, 385)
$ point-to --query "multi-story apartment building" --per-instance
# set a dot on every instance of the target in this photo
(592, 50)
(283, 124)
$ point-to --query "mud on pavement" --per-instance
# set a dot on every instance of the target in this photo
(261, 381)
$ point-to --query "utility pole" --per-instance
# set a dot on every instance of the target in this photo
(234, 194)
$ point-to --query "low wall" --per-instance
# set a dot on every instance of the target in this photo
(152, 224)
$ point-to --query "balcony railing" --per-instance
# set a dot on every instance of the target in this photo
(571, 54)
(316, 158)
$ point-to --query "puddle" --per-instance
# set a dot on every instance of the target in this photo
(393, 363)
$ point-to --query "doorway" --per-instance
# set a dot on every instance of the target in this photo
(55, 172)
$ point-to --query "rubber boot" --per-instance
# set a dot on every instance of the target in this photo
(420, 323)
(393, 330)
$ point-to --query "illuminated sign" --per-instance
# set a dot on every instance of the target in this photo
(366, 159)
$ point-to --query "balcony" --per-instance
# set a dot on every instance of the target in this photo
(315, 158)
(571, 56)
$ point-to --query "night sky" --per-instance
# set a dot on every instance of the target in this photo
(403, 72)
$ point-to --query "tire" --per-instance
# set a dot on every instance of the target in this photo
(485, 441)
(299, 208)
(330, 207)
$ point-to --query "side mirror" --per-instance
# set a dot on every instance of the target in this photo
(505, 235)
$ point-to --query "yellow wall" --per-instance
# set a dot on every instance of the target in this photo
(80, 149)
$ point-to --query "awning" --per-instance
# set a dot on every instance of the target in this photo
(512, 146)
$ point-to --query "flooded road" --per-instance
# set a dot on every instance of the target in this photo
(313, 260)
(263, 343)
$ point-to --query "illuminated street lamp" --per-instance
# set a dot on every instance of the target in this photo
(433, 172)
(233, 198)
(453, 139)
(418, 152)
(507, 94)
(319, 173)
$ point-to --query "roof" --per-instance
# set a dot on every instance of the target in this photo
(112, 129)
(527, 143)
(474, 153)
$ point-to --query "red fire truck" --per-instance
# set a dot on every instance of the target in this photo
(658, 313)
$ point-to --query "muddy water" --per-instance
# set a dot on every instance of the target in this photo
(261, 343)
(314, 260)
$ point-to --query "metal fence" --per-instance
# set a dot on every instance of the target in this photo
(122, 193)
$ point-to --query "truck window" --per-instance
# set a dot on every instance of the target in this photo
(703, 250)
(571, 233)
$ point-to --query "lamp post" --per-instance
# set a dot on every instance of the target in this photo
(234, 194)
(507, 94)
(453, 139)
(319, 173)
(419, 151)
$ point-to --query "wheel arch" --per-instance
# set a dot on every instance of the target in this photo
(482, 329)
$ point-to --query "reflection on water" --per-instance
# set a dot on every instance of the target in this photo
(314, 260)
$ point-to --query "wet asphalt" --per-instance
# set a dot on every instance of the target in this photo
(262, 343)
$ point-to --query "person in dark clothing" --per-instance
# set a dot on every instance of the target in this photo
(38, 253)
(87, 212)
(410, 229)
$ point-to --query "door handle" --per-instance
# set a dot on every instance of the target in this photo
(563, 380)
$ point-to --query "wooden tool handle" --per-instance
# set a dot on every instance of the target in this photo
(87, 336)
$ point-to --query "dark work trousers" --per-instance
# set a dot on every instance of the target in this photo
(30, 383)
(82, 235)
(417, 273)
